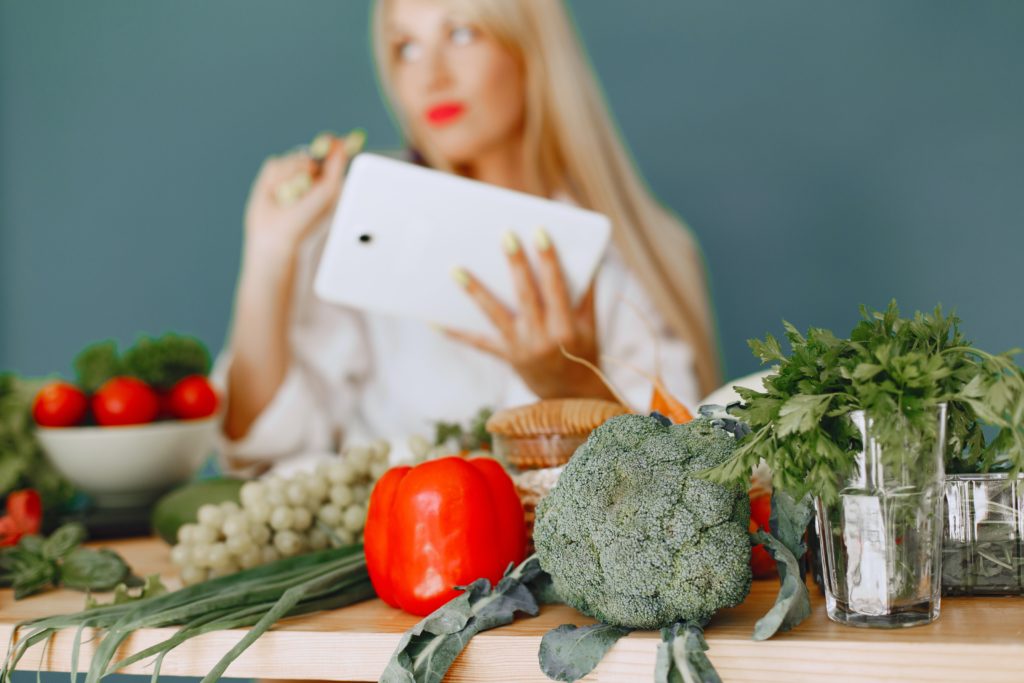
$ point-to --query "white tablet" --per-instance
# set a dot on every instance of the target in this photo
(400, 229)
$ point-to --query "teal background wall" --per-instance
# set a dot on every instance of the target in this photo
(826, 152)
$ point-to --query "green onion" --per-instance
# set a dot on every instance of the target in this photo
(256, 598)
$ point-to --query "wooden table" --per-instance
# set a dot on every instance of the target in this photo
(977, 639)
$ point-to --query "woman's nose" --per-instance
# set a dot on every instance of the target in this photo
(438, 71)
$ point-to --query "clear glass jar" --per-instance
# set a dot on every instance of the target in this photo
(881, 541)
(983, 544)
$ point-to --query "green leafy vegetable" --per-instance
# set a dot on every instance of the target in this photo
(634, 537)
(162, 361)
(475, 437)
(568, 653)
(95, 364)
(897, 370)
(681, 657)
(36, 563)
(88, 569)
(788, 521)
(427, 650)
(22, 464)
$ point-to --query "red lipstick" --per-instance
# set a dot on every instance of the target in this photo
(444, 113)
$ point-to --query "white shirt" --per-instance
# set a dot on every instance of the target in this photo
(357, 376)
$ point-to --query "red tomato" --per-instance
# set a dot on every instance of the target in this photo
(59, 405)
(125, 401)
(761, 561)
(192, 398)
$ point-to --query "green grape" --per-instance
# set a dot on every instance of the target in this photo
(218, 556)
(211, 515)
(201, 554)
(282, 518)
(329, 515)
(252, 557)
(191, 574)
(259, 511)
(203, 534)
(317, 489)
(186, 533)
(341, 496)
(296, 494)
(288, 543)
(252, 492)
(235, 524)
(359, 458)
(301, 519)
(238, 544)
(354, 517)
(259, 533)
(181, 555)
(229, 507)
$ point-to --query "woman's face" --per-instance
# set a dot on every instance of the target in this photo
(458, 88)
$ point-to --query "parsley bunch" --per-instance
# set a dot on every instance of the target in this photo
(897, 370)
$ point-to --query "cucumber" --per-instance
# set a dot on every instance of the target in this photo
(181, 505)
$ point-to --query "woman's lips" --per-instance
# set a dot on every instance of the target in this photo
(445, 113)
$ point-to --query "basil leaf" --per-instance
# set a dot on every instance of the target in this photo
(427, 650)
(568, 653)
(681, 657)
(32, 544)
(62, 541)
(87, 569)
(31, 574)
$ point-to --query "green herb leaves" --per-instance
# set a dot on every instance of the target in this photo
(36, 563)
(428, 649)
(789, 520)
(897, 370)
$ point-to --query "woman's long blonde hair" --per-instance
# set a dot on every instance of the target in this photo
(572, 145)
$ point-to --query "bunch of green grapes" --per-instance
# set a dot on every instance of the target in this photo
(281, 517)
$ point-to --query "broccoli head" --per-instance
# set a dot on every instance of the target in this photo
(631, 535)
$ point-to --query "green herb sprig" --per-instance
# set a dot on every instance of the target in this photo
(37, 563)
(897, 370)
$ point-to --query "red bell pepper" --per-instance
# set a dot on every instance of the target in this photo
(441, 524)
(24, 516)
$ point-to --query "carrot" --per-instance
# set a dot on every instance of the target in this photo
(666, 404)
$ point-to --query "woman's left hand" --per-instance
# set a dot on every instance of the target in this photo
(531, 338)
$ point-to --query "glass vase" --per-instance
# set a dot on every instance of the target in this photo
(881, 541)
(983, 545)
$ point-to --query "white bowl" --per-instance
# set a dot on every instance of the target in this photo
(132, 465)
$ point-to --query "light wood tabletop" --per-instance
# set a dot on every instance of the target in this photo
(976, 639)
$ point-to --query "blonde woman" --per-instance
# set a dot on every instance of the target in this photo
(499, 91)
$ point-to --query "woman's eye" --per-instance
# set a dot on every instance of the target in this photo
(462, 35)
(409, 51)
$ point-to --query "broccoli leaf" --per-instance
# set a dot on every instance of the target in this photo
(681, 657)
(568, 653)
(427, 650)
(793, 604)
(788, 521)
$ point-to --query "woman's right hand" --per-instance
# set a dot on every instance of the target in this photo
(276, 227)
